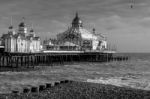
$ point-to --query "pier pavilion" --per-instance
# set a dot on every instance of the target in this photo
(78, 38)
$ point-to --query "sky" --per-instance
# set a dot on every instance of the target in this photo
(126, 28)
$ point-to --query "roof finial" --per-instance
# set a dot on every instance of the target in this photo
(11, 21)
(76, 14)
(32, 25)
(23, 19)
(11, 26)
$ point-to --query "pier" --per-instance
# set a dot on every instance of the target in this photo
(30, 60)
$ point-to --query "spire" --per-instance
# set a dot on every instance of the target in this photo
(11, 21)
(23, 19)
(76, 14)
(11, 26)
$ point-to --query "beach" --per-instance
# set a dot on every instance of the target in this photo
(133, 73)
(84, 90)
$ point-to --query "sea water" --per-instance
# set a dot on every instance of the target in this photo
(133, 73)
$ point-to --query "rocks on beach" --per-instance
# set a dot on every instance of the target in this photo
(84, 90)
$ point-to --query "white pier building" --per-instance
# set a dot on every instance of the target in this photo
(21, 41)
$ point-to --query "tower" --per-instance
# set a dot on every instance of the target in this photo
(22, 27)
(77, 22)
(10, 28)
(32, 33)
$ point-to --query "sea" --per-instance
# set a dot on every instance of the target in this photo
(134, 73)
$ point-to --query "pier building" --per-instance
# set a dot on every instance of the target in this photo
(78, 38)
(50, 44)
(22, 41)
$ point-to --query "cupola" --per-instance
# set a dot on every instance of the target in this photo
(77, 21)
(22, 26)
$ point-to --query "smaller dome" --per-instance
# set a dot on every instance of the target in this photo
(77, 21)
(31, 30)
(11, 27)
(94, 30)
(22, 24)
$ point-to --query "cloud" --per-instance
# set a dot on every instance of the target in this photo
(129, 34)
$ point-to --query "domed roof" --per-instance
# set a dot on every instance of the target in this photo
(22, 24)
(31, 30)
(10, 27)
(85, 34)
(77, 21)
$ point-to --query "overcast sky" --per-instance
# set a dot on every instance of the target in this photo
(127, 28)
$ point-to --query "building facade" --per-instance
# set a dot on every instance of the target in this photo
(21, 41)
(78, 38)
(50, 44)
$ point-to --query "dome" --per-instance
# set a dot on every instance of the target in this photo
(85, 34)
(31, 30)
(11, 27)
(22, 24)
(77, 21)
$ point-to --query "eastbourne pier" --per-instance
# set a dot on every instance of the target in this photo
(23, 48)
(31, 60)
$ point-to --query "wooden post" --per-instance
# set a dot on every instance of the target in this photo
(28, 64)
(16, 61)
(31, 61)
(25, 60)
(50, 60)
(7, 64)
(37, 60)
(0, 61)
(46, 62)
(21, 64)
(19, 61)
(11, 62)
(3, 61)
